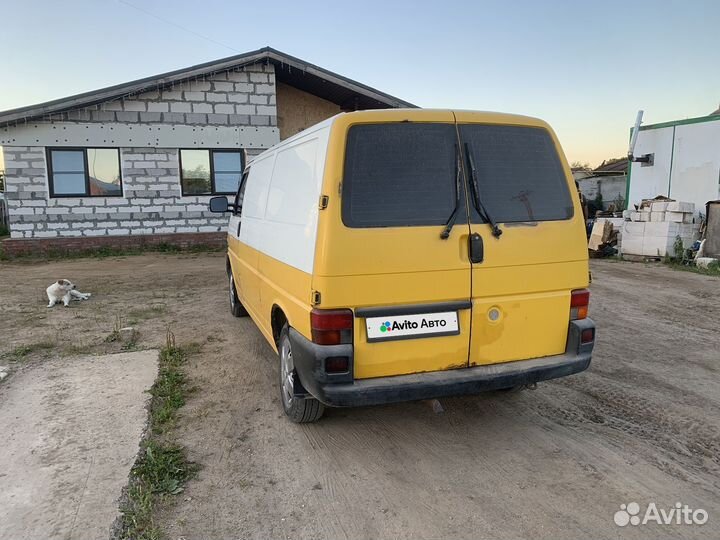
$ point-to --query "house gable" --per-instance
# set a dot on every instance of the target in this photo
(243, 104)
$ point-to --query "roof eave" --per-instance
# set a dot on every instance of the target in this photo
(95, 97)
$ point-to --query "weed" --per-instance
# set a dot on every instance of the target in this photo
(169, 389)
(712, 269)
(22, 351)
(137, 519)
(679, 249)
(131, 341)
(682, 260)
(619, 203)
(114, 336)
(162, 468)
(169, 338)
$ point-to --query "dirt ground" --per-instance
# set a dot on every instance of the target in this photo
(641, 425)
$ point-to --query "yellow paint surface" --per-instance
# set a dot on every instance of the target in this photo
(525, 279)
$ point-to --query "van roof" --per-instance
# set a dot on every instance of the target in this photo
(410, 115)
(421, 114)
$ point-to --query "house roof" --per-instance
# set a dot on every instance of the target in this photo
(619, 166)
(686, 121)
(349, 94)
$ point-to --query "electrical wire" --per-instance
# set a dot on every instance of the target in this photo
(166, 21)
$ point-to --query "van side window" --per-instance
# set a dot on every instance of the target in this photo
(518, 172)
(240, 195)
(399, 175)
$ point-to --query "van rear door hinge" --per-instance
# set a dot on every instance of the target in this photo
(323, 204)
(315, 298)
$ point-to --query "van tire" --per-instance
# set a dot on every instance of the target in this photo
(300, 410)
(236, 308)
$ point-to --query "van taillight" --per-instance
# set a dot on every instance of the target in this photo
(579, 301)
(331, 326)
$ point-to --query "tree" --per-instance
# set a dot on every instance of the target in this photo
(581, 166)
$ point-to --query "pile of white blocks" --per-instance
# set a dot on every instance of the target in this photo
(671, 211)
(652, 231)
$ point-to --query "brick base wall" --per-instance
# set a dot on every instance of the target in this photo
(16, 247)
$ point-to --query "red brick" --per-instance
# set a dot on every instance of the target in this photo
(14, 247)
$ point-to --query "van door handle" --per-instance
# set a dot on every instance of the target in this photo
(476, 249)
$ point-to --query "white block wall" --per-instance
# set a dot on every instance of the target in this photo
(152, 202)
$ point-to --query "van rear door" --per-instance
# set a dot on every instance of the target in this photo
(380, 251)
(522, 279)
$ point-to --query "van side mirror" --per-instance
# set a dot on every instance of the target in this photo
(219, 204)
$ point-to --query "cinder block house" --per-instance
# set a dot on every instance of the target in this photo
(137, 163)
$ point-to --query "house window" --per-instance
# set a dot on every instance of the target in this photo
(84, 172)
(210, 172)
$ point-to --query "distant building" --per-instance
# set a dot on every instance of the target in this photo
(684, 164)
(605, 185)
(137, 162)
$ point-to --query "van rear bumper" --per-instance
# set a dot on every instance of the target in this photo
(336, 392)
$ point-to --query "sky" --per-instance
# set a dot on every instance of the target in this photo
(586, 67)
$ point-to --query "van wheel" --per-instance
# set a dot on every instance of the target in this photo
(298, 409)
(236, 308)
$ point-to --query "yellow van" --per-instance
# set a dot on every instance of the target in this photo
(395, 255)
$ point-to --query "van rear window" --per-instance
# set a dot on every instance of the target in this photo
(519, 174)
(399, 175)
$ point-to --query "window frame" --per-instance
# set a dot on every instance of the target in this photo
(51, 175)
(211, 151)
(241, 189)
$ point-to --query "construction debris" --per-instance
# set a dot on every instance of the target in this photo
(605, 236)
(601, 232)
(660, 227)
(656, 228)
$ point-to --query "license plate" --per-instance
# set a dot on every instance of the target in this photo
(412, 326)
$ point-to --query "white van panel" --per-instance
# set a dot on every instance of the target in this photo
(286, 229)
(255, 200)
(294, 192)
(256, 192)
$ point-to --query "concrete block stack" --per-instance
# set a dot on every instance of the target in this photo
(653, 229)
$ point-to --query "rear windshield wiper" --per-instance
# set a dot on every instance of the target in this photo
(445, 234)
(479, 206)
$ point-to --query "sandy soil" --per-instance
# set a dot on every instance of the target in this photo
(642, 425)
